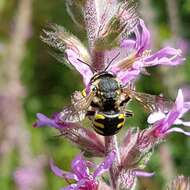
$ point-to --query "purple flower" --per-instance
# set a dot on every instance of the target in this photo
(74, 58)
(162, 123)
(54, 122)
(139, 55)
(134, 56)
(81, 174)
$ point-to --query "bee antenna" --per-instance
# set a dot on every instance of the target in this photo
(92, 69)
(111, 61)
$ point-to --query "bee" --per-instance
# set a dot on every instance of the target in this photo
(106, 104)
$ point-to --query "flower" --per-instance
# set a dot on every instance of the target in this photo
(140, 57)
(53, 122)
(162, 123)
(81, 174)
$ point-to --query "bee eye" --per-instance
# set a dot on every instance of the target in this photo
(94, 89)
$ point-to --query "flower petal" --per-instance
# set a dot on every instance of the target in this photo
(141, 41)
(162, 125)
(174, 114)
(178, 130)
(87, 184)
(155, 116)
(140, 173)
(181, 122)
(60, 173)
(44, 120)
(127, 76)
(142, 38)
(128, 44)
(79, 167)
(166, 56)
(105, 165)
(82, 68)
(70, 187)
(179, 100)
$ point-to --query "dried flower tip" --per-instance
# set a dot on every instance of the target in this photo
(61, 40)
(123, 22)
(68, 47)
(179, 183)
(127, 179)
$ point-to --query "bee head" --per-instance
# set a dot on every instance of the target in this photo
(106, 86)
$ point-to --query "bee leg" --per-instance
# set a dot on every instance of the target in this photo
(128, 113)
(90, 113)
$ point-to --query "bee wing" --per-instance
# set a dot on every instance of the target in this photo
(71, 115)
(77, 111)
(151, 103)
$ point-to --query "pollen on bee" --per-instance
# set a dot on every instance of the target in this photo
(121, 116)
(84, 92)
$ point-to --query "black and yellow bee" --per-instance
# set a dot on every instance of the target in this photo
(105, 104)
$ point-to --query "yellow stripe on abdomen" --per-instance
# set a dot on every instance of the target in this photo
(99, 125)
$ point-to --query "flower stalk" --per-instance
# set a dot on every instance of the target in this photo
(117, 54)
(110, 145)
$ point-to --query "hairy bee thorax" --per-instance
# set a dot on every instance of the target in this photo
(107, 90)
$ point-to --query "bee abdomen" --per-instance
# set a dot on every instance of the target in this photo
(108, 124)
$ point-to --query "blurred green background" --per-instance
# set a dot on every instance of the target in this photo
(47, 86)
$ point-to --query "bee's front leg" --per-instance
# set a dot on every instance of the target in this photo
(90, 113)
